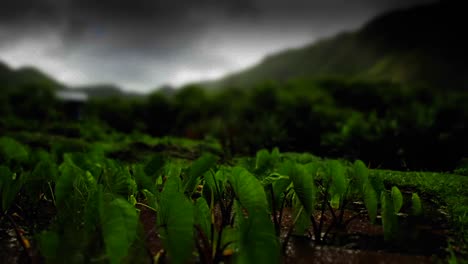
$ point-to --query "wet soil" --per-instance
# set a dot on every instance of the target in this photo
(421, 240)
(23, 223)
(148, 221)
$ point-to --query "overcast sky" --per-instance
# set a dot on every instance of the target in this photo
(143, 44)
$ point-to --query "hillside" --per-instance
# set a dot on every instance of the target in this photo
(419, 45)
(11, 79)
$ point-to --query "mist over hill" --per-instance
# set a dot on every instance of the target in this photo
(11, 79)
(419, 46)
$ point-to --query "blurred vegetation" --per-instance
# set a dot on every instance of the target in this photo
(386, 124)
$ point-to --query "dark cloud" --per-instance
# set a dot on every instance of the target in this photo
(143, 43)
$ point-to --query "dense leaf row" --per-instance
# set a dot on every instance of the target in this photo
(204, 211)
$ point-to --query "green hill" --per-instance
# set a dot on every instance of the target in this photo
(11, 79)
(419, 45)
(22, 78)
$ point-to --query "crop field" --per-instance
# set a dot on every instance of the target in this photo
(83, 203)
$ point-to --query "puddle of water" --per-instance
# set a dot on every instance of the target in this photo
(301, 252)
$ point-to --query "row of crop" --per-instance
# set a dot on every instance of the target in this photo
(206, 211)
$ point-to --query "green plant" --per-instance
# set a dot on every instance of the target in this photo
(416, 205)
(337, 186)
(175, 221)
(92, 212)
(389, 216)
(392, 202)
(257, 239)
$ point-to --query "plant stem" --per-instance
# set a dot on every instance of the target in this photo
(319, 231)
(288, 235)
(147, 206)
(282, 206)
(204, 250)
(332, 211)
(317, 234)
(51, 193)
(273, 208)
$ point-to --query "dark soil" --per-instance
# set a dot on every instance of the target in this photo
(421, 240)
(25, 222)
(148, 221)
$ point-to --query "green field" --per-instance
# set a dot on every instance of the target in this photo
(75, 200)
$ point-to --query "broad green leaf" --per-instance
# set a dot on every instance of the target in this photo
(303, 222)
(86, 161)
(173, 169)
(262, 160)
(214, 185)
(119, 228)
(337, 172)
(389, 217)
(416, 205)
(248, 189)
(172, 185)
(211, 186)
(197, 169)
(275, 156)
(370, 201)
(9, 187)
(361, 172)
(203, 216)
(93, 209)
(303, 184)
(257, 239)
(279, 188)
(11, 149)
(176, 221)
(143, 180)
(312, 168)
(64, 186)
(230, 237)
(49, 242)
(45, 170)
(155, 165)
(335, 201)
(116, 179)
(397, 199)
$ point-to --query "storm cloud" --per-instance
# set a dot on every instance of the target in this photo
(143, 44)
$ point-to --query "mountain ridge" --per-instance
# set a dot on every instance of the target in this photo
(418, 45)
(28, 75)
